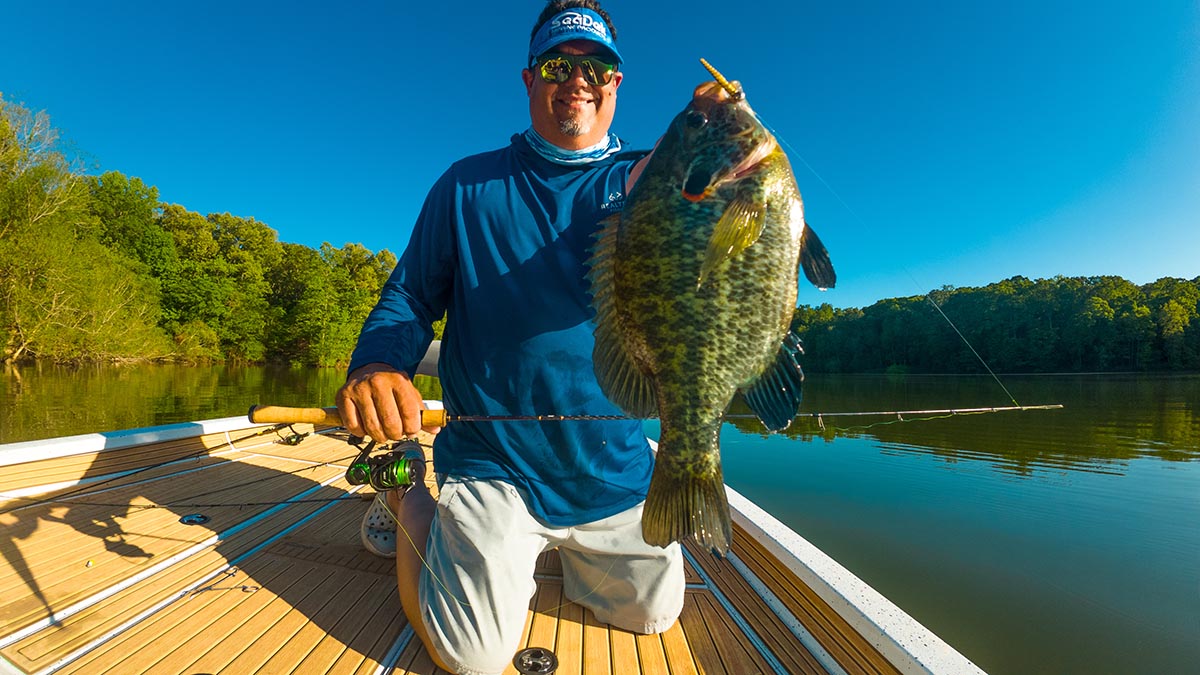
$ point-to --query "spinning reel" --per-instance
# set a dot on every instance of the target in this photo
(400, 465)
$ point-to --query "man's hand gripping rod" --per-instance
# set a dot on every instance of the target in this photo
(402, 465)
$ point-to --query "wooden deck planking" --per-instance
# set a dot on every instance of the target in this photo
(597, 652)
(99, 484)
(278, 623)
(58, 557)
(569, 643)
(367, 648)
(325, 649)
(315, 448)
(836, 636)
(700, 643)
(623, 650)
(737, 655)
(77, 630)
(678, 652)
(299, 606)
(149, 642)
(794, 657)
(99, 464)
(326, 606)
(96, 464)
(107, 615)
(543, 624)
(651, 656)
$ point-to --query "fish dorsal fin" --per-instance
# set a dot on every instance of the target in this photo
(814, 260)
(739, 227)
(775, 396)
(619, 376)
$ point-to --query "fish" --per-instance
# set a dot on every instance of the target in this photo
(694, 284)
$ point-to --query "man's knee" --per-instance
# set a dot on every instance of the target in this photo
(474, 653)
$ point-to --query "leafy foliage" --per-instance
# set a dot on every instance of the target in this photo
(1063, 324)
(96, 268)
(64, 295)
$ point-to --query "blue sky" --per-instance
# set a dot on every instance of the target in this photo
(935, 143)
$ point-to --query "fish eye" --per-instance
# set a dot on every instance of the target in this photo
(696, 119)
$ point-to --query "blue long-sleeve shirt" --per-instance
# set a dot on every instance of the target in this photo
(501, 246)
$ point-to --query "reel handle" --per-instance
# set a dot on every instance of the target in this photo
(277, 414)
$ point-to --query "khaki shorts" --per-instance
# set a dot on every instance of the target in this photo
(482, 549)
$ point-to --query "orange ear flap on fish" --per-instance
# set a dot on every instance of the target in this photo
(697, 186)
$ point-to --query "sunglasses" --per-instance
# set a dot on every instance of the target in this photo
(557, 68)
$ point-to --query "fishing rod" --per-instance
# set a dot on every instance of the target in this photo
(403, 463)
(269, 414)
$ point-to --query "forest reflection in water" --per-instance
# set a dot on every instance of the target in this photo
(46, 401)
(1106, 420)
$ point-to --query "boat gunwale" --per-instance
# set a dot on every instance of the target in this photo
(900, 638)
(23, 452)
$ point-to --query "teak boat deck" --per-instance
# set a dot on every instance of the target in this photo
(99, 575)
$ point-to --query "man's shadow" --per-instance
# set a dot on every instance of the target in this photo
(231, 491)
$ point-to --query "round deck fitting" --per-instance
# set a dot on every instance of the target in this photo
(535, 661)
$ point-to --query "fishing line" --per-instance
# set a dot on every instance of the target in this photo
(929, 297)
(863, 224)
(382, 500)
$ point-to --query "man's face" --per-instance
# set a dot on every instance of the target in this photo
(572, 114)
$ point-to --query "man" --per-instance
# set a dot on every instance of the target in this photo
(501, 245)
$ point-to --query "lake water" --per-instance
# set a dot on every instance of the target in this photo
(1060, 541)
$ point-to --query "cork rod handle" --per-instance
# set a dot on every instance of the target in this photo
(276, 414)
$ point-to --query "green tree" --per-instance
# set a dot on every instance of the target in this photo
(1175, 305)
(128, 218)
(63, 294)
(218, 292)
(323, 297)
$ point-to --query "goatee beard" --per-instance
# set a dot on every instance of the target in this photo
(573, 127)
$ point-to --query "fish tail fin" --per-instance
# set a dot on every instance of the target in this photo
(680, 503)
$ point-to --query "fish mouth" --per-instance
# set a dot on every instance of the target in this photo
(752, 160)
(743, 168)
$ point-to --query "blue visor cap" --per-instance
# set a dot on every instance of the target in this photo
(572, 24)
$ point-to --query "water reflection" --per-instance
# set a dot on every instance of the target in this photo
(1107, 420)
(46, 401)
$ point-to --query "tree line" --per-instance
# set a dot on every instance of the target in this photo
(96, 268)
(1063, 324)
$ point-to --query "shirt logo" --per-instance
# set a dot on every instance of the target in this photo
(615, 202)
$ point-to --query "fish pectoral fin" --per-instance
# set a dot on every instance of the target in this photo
(775, 395)
(814, 260)
(739, 227)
